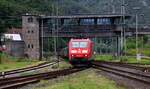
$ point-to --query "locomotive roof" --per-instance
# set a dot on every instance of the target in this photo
(80, 39)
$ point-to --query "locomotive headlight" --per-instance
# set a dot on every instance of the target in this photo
(84, 51)
(73, 51)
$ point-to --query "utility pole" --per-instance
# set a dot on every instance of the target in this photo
(57, 23)
(122, 25)
(137, 50)
(138, 57)
(113, 7)
(53, 31)
(124, 29)
(42, 39)
(0, 46)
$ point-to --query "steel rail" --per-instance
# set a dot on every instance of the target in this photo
(39, 66)
(10, 83)
(123, 71)
(127, 65)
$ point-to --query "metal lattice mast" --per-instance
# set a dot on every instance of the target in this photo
(124, 29)
(137, 24)
(53, 30)
(137, 35)
(42, 39)
(122, 25)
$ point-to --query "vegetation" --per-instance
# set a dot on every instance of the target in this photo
(142, 42)
(145, 52)
(143, 46)
(62, 65)
(104, 57)
(11, 10)
(133, 60)
(9, 63)
(87, 79)
(127, 59)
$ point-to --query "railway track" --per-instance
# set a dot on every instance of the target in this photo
(123, 70)
(39, 66)
(127, 65)
(13, 82)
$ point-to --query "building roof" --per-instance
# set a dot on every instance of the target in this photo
(14, 31)
(14, 37)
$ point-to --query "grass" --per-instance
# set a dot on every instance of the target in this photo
(145, 52)
(62, 65)
(133, 60)
(14, 65)
(87, 79)
(10, 63)
(104, 58)
(127, 59)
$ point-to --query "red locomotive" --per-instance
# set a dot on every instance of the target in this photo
(80, 50)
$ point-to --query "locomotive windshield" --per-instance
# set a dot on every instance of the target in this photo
(79, 44)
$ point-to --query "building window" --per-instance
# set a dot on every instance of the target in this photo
(103, 21)
(30, 20)
(87, 21)
(70, 22)
(28, 45)
(28, 31)
(31, 45)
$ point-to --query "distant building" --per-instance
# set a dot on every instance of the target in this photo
(14, 45)
(13, 37)
(30, 35)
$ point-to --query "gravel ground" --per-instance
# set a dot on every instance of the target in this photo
(45, 83)
(121, 81)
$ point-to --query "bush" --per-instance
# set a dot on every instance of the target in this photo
(104, 57)
(123, 59)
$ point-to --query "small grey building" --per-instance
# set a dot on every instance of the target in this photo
(14, 45)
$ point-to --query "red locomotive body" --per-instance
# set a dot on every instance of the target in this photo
(80, 50)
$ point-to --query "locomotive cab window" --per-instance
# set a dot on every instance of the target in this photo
(83, 44)
(75, 44)
(79, 44)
